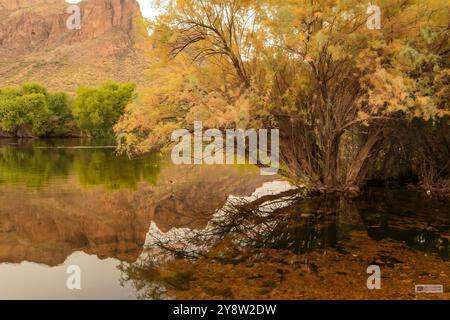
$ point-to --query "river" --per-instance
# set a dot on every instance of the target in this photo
(144, 228)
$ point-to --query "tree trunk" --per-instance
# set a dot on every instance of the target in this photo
(331, 163)
(358, 170)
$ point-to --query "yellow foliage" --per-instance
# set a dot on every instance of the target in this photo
(240, 63)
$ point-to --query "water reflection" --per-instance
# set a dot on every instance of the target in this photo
(99, 280)
(36, 163)
(162, 231)
(421, 222)
(32, 166)
(59, 198)
(288, 221)
(247, 228)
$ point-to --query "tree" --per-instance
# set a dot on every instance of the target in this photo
(336, 89)
(24, 108)
(96, 110)
(61, 120)
(33, 110)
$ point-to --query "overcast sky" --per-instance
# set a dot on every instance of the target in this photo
(147, 9)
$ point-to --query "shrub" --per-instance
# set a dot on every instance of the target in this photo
(31, 108)
(96, 110)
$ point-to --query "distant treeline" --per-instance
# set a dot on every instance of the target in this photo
(31, 111)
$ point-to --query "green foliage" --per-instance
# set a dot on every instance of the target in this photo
(35, 110)
(25, 109)
(32, 109)
(96, 110)
(30, 88)
(61, 123)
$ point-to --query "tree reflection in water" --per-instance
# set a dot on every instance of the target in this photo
(36, 163)
(245, 227)
(238, 230)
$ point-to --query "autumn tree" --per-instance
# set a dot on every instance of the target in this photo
(335, 86)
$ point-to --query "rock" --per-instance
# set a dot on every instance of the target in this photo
(36, 45)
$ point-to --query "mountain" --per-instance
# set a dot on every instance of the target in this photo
(36, 45)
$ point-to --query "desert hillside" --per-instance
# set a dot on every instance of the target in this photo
(36, 45)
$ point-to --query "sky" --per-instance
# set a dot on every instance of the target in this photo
(148, 10)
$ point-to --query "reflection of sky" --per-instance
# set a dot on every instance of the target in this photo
(180, 236)
(29, 280)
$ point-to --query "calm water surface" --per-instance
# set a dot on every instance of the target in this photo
(136, 226)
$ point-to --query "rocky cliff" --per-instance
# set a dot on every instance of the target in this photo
(36, 45)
